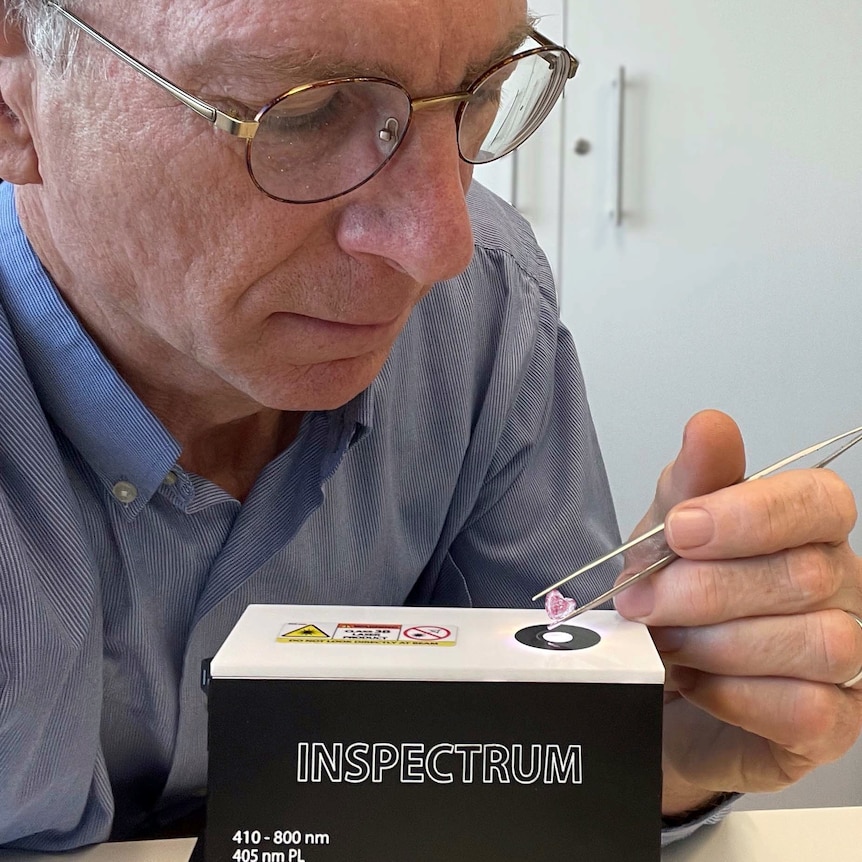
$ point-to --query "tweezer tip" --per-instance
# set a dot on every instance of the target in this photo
(555, 624)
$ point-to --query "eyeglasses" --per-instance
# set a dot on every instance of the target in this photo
(321, 140)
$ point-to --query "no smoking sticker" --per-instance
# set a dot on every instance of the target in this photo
(386, 634)
(427, 633)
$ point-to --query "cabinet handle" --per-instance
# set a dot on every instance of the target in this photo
(515, 184)
(619, 84)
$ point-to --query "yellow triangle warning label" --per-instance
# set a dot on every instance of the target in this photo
(308, 631)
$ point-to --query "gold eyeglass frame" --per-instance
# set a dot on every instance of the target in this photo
(247, 129)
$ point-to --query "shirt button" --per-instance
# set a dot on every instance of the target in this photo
(125, 492)
(171, 478)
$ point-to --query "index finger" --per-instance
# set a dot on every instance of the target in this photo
(786, 510)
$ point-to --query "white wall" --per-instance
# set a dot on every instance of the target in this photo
(735, 280)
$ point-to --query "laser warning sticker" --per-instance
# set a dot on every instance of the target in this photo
(386, 634)
(309, 632)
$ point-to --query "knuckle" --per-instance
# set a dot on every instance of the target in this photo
(816, 503)
(814, 713)
(831, 497)
(831, 724)
(840, 491)
(811, 574)
(771, 516)
(836, 638)
(703, 594)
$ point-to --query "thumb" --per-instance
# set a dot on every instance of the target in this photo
(712, 456)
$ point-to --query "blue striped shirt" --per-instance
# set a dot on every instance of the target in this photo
(467, 474)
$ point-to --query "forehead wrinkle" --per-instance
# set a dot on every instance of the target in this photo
(290, 67)
(284, 65)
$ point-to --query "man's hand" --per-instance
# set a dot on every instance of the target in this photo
(755, 622)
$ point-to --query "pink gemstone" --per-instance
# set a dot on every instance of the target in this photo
(558, 606)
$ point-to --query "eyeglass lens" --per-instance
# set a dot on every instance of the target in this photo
(326, 139)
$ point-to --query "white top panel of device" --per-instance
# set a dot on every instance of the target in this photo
(459, 644)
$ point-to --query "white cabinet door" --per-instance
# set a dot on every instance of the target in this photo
(531, 178)
(735, 278)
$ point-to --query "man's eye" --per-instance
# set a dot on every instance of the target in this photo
(308, 101)
(306, 111)
(490, 95)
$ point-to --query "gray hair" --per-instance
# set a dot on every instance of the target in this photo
(48, 34)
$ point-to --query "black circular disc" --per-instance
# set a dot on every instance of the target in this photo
(538, 637)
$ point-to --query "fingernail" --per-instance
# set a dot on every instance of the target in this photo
(689, 528)
(668, 638)
(637, 601)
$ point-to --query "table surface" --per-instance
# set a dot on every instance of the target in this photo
(795, 835)
(783, 835)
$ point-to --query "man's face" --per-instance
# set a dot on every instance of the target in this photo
(188, 275)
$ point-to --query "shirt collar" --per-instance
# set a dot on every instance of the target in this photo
(79, 389)
(121, 440)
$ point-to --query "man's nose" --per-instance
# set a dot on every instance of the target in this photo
(414, 212)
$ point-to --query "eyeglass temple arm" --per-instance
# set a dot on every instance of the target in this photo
(545, 42)
(225, 122)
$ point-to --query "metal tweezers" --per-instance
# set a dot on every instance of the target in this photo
(661, 562)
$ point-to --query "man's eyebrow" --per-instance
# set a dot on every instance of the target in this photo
(254, 66)
(293, 68)
(513, 41)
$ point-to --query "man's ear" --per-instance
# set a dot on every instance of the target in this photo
(18, 160)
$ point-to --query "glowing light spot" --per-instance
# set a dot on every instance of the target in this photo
(558, 637)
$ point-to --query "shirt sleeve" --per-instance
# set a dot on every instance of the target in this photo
(710, 817)
(54, 789)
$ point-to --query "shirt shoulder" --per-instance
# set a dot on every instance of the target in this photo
(506, 298)
(493, 320)
(485, 340)
(499, 228)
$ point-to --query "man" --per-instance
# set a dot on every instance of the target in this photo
(227, 378)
